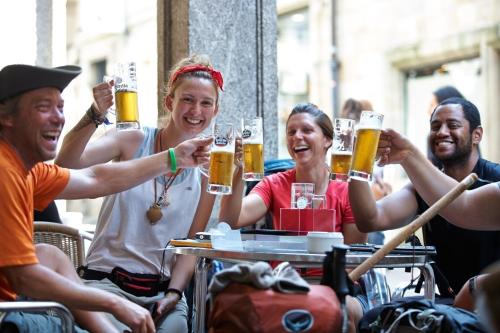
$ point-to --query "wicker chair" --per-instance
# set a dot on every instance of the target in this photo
(70, 240)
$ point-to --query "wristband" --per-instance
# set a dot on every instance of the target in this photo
(95, 117)
(174, 291)
(173, 161)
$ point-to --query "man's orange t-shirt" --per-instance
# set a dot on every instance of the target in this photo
(21, 191)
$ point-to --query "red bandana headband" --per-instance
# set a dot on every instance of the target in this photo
(216, 75)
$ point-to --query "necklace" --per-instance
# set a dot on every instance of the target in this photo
(154, 213)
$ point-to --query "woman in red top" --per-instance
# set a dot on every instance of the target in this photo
(309, 135)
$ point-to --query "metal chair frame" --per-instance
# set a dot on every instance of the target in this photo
(60, 310)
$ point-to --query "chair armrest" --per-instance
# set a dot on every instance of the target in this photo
(60, 310)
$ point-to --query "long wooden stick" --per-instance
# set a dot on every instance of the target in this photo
(412, 227)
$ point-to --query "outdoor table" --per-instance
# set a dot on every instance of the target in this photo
(300, 259)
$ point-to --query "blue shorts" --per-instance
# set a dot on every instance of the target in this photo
(25, 322)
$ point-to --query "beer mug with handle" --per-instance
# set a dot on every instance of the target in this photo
(253, 152)
(125, 89)
(343, 141)
(365, 149)
(221, 165)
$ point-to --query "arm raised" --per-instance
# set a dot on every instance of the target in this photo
(105, 179)
(475, 209)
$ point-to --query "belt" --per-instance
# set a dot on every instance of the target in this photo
(134, 283)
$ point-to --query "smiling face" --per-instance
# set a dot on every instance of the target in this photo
(36, 126)
(450, 138)
(193, 104)
(306, 142)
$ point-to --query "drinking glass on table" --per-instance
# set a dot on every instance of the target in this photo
(365, 149)
(125, 91)
(302, 195)
(221, 165)
(253, 152)
(341, 156)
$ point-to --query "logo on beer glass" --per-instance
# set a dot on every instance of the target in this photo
(246, 134)
(221, 141)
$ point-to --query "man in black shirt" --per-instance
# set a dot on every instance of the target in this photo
(454, 139)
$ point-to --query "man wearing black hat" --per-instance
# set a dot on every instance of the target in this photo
(31, 121)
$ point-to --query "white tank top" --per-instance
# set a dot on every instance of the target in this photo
(125, 238)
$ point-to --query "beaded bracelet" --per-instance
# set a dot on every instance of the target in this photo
(94, 116)
(173, 161)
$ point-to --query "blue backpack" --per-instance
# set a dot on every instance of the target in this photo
(419, 316)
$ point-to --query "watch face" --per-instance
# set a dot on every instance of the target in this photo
(301, 202)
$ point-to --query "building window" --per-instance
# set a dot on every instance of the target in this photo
(465, 75)
(293, 68)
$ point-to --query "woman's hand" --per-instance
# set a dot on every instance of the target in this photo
(238, 152)
(165, 305)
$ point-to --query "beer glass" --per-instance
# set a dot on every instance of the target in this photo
(221, 166)
(302, 195)
(253, 154)
(127, 113)
(365, 149)
(343, 141)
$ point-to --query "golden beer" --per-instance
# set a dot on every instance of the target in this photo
(365, 150)
(340, 162)
(126, 106)
(221, 168)
(253, 159)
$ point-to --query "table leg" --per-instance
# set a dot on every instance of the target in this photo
(200, 294)
(430, 282)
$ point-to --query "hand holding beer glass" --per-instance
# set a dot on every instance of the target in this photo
(343, 141)
(365, 149)
(127, 113)
(221, 167)
(253, 154)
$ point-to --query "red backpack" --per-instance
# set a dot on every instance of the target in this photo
(242, 308)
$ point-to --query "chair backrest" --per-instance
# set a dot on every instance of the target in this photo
(70, 240)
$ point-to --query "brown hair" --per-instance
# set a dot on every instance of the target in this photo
(352, 108)
(321, 119)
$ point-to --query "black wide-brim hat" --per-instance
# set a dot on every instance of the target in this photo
(18, 79)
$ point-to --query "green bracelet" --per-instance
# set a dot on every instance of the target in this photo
(173, 161)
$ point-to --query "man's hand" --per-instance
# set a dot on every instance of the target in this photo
(393, 148)
(103, 97)
(192, 153)
(134, 316)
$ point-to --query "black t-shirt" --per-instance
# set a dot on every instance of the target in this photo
(462, 253)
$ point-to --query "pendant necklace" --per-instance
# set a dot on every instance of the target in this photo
(154, 213)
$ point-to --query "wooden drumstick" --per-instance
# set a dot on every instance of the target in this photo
(412, 227)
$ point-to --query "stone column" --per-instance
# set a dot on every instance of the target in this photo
(240, 39)
(44, 10)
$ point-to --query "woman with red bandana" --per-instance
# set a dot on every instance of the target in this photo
(124, 257)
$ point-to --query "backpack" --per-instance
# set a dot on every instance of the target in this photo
(419, 316)
(243, 308)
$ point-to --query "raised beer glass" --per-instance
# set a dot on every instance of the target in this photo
(221, 166)
(127, 113)
(365, 149)
(343, 141)
(253, 153)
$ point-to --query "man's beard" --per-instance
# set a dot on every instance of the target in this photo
(459, 156)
